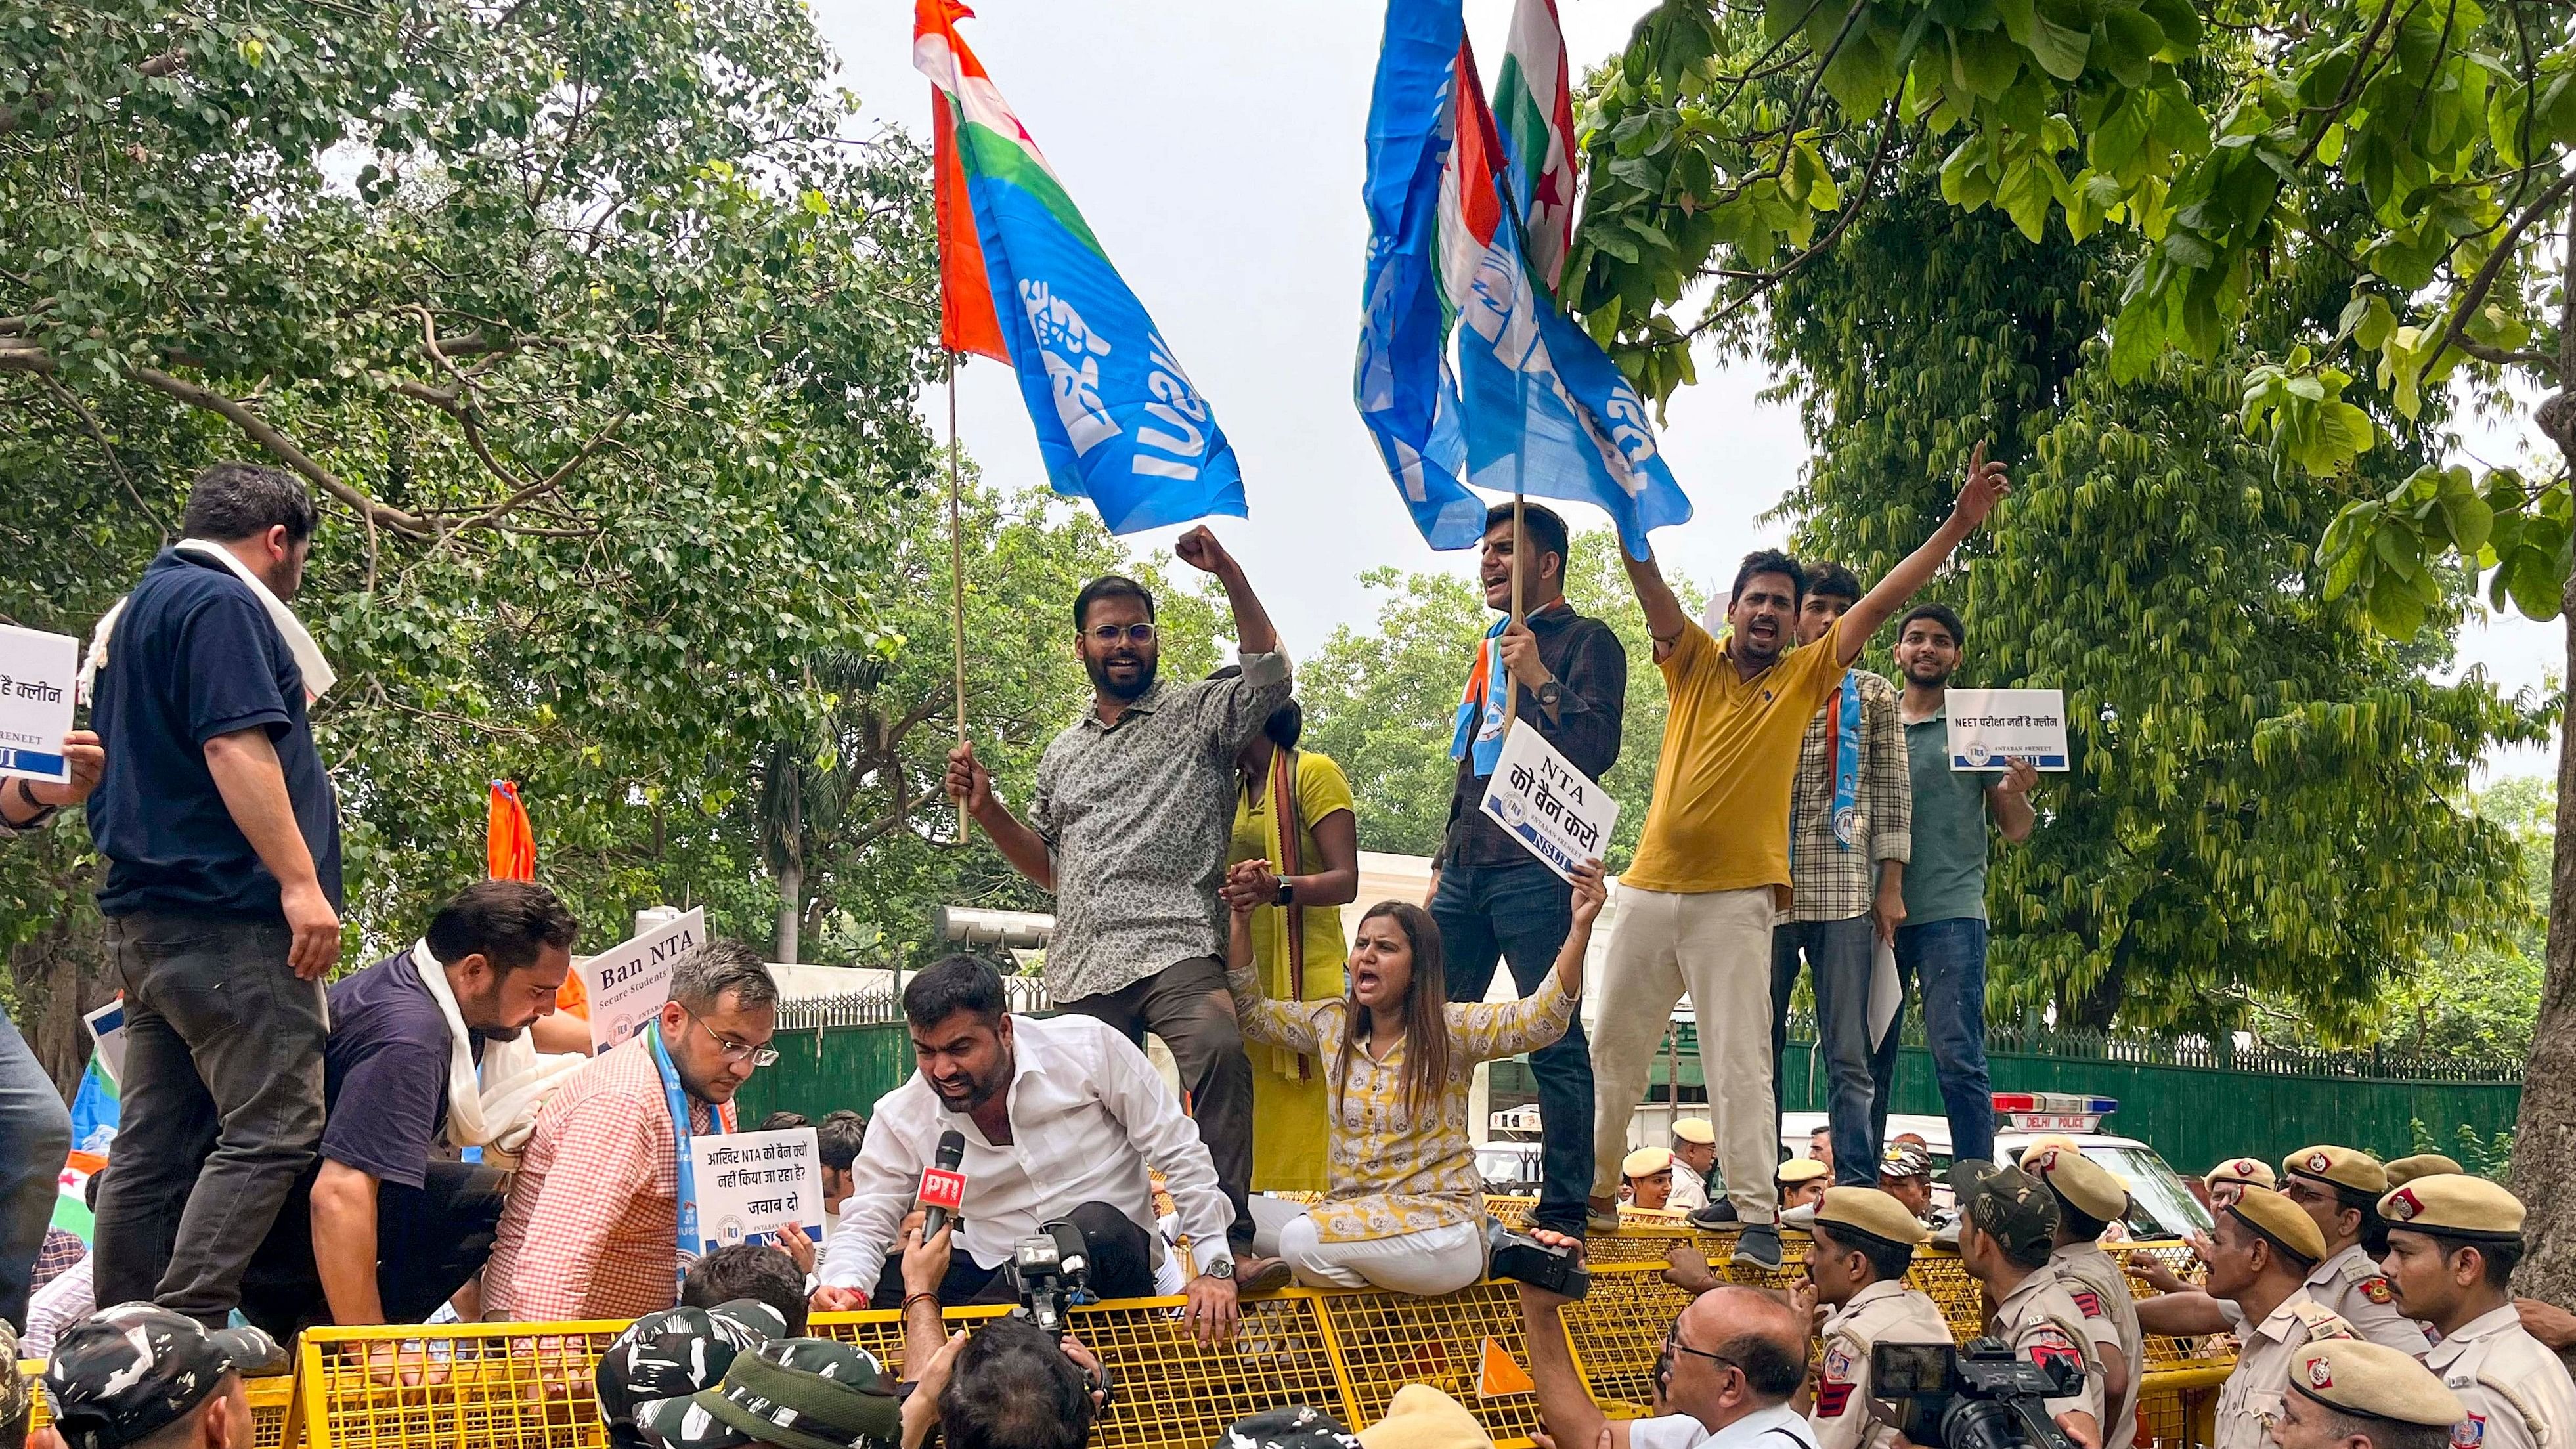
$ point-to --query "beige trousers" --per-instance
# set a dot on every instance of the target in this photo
(1715, 945)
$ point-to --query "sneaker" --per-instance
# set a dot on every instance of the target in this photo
(1759, 1247)
(1260, 1275)
(1719, 1214)
(1601, 1222)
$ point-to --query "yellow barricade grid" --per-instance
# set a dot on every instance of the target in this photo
(1618, 1329)
(494, 1386)
(1387, 1340)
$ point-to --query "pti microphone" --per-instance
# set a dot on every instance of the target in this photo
(943, 1187)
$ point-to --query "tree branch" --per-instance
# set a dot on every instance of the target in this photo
(1851, 208)
(12, 118)
(259, 430)
(2474, 295)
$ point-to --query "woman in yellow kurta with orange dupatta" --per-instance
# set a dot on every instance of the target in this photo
(1294, 810)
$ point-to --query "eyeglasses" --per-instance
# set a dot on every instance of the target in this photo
(1673, 1344)
(735, 1051)
(1108, 634)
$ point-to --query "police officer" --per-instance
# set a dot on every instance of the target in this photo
(1648, 1172)
(2007, 1227)
(2340, 1188)
(135, 1372)
(1694, 1158)
(2349, 1392)
(2235, 1175)
(1862, 1243)
(2453, 1242)
(2259, 1257)
(2423, 1164)
(2089, 1200)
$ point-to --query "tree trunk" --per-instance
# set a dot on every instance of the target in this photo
(791, 912)
(2544, 1136)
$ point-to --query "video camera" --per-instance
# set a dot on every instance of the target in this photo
(1514, 1255)
(1983, 1396)
(1051, 1268)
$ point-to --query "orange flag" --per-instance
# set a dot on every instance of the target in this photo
(967, 322)
(510, 845)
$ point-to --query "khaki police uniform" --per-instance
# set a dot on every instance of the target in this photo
(2351, 1285)
(2251, 1399)
(1690, 1191)
(1883, 1312)
(2040, 1320)
(2101, 1290)
(2517, 1393)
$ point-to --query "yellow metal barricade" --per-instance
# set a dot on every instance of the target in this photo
(488, 1385)
(268, 1397)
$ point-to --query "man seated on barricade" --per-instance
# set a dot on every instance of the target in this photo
(2007, 1228)
(2453, 1243)
(1406, 1208)
(2089, 1200)
(2348, 1394)
(1053, 1119)
(790, 1393)
(1731, 1366)
(384, 1228)
(673, 1354)
(603, 1194)
(145, 1376)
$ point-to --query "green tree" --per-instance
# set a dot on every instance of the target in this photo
(2479, 995)
(1380, 703)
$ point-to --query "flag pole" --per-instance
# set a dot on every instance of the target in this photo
(957, 580)
(1520, 548)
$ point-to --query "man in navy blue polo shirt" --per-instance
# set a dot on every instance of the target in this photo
(222, 895)
(387, 1228)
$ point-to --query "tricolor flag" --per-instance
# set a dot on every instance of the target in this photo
(1023, 279)
(1542, 409)
(1535, 107)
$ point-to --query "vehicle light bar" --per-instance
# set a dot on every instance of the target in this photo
(2053, 1111)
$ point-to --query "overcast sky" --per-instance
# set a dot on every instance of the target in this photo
(1215, 149)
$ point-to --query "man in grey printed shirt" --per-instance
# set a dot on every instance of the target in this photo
(1128, 826)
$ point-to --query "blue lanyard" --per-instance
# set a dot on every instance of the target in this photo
(1845, 729)
(687, 1194)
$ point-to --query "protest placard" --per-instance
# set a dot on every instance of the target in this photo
(1555, 811)
(751, 1184)
(628, 983)
(107, 1028)
(39, 674)
(1990, 726)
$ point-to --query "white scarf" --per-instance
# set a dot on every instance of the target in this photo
(500, 1117)
(318, 677)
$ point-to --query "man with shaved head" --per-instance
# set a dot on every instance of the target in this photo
(1731, 1365)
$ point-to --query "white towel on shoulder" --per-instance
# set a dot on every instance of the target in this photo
(318, 676)
(497, 1109)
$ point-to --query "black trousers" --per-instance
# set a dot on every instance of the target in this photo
(222, 1106)
(1122, 1265)
(430, 1241)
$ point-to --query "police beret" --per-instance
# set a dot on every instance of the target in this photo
(2246, 1170)
(1645, 1162)
(1871, 1213)
(2284, 1222)
(2338, 1167)
(2455, 1206)
(2423, 1164)
(1695, 1129)
(1422, 1417)
(2356, 1376)
(2038, 1145)
(1804, 1169)
(2085, 1184)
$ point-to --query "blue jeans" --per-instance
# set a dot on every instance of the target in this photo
(1521, 913)
(1949, 958)
(1837, 954)
(35, 1132)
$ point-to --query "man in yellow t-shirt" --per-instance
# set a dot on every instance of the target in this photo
(1712, 867)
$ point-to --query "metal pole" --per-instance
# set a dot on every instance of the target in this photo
(1520, 550)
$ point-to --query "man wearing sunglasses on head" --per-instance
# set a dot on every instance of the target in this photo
(592, 1228)
(1129, 824)
(1727, 1378)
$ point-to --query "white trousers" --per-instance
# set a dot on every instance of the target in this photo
(1716, 945)
(1430, 1262)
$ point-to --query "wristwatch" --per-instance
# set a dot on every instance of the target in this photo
(1549, 693)
(1287, 893)
(1222, 1270)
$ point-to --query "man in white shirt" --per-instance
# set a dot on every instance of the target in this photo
(1062, 1118)
(1731, 1366)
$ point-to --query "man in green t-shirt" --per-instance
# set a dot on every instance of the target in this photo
(1943, 941)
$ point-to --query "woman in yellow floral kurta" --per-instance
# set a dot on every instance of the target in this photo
(1406, 1205)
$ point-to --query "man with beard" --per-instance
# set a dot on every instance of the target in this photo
(1943, 941)
(1062, 1118)
(381, 1231)
(1129, 825)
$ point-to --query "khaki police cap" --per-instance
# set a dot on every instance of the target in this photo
(2455, 1206)
(1645, 1162)
(1696, 1130)
(2338, 1167)
(2284, 1222)
(2356, 1376)
(2248, 1170)
(2038, 1145)
(2078, 1179)
(1804, 1169)
(2423, 1164)
(1871, 1213)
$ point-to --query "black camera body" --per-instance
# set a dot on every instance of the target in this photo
(1513, 1255)
(1981, 1396)
(1051, 1268)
